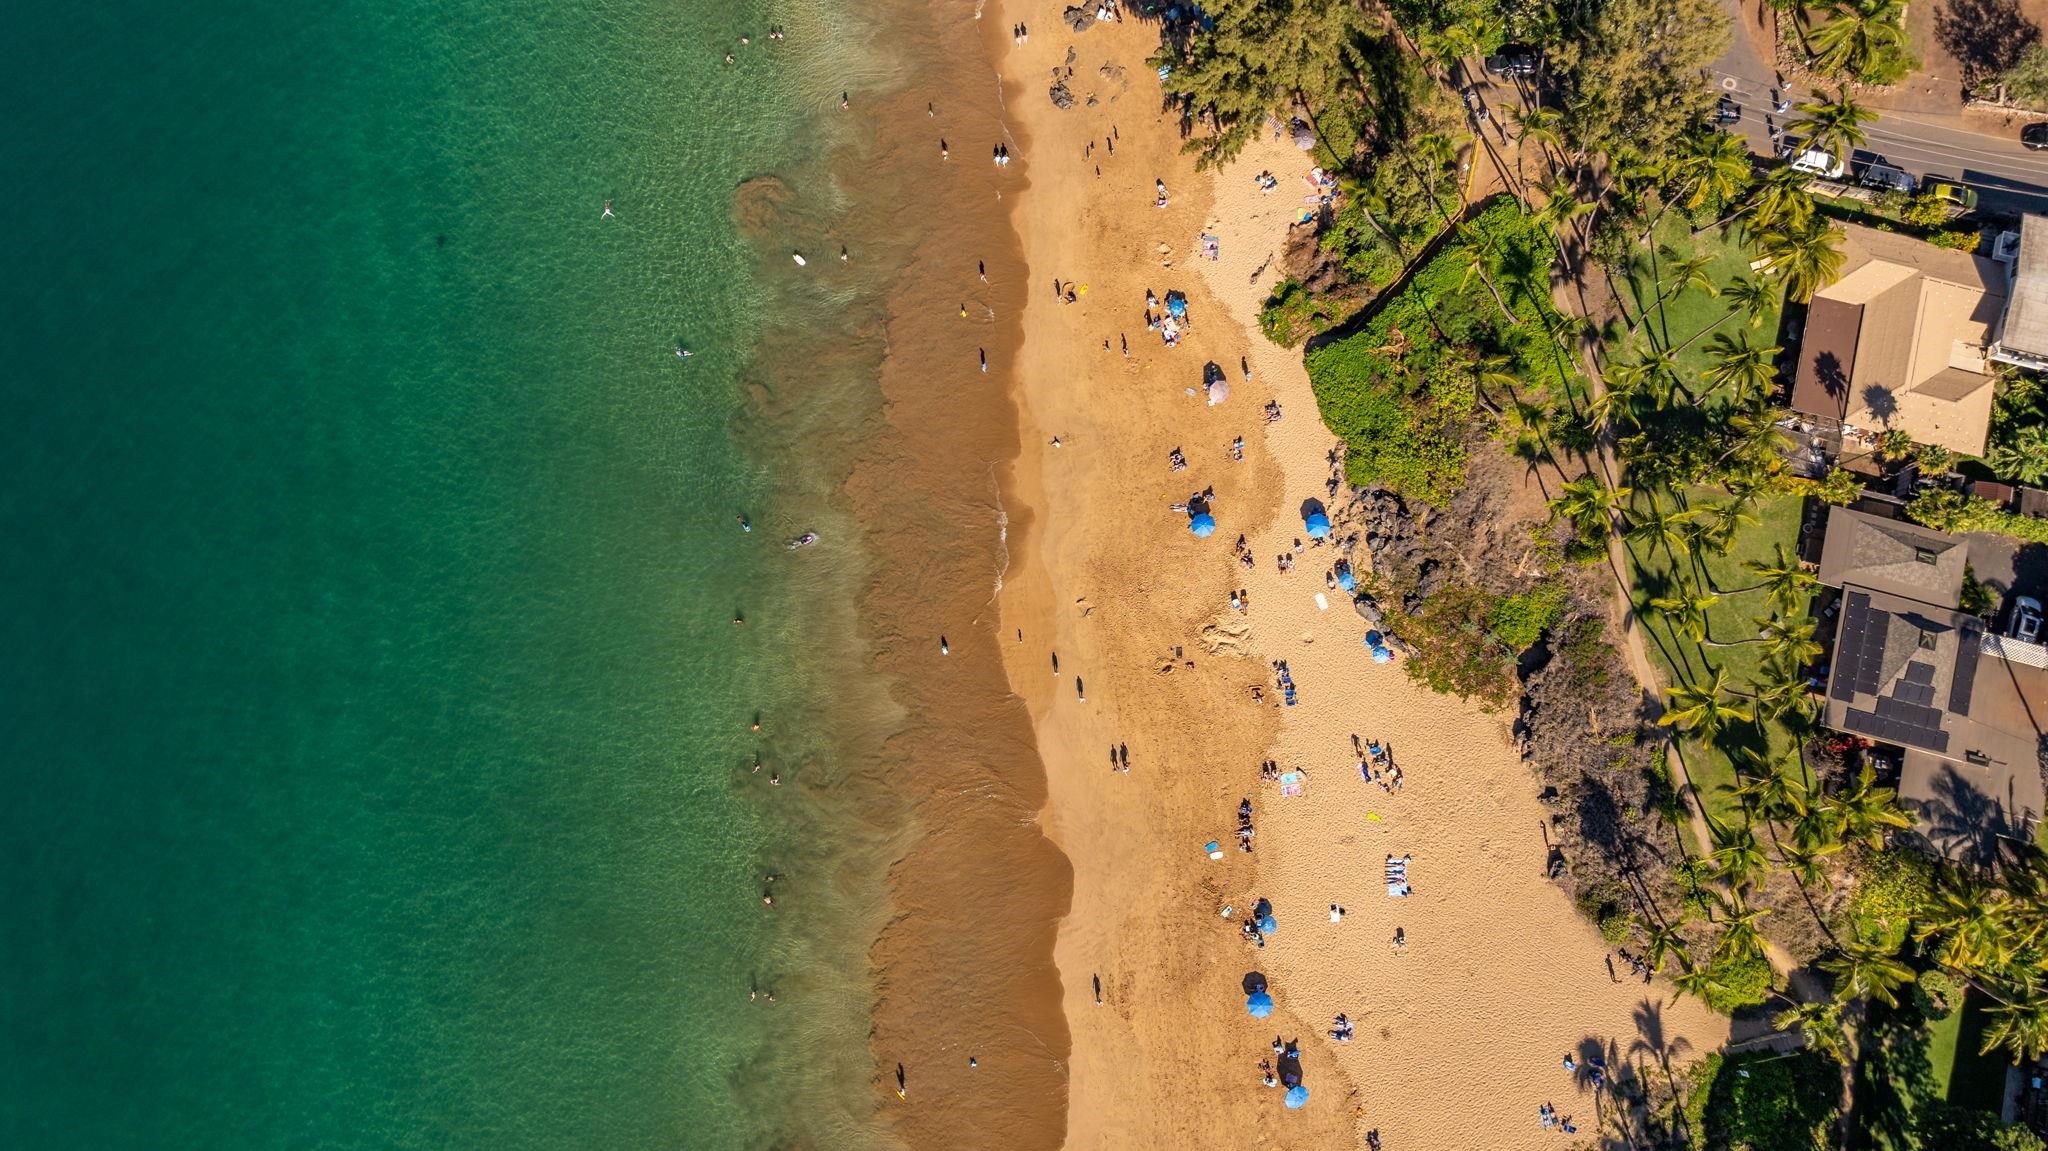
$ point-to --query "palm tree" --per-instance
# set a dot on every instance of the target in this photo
(1660, 525)
(1477, 247)
(1820, 1023)
(1833, 126)
(1781, 693)
(1780, 197)
(1789, 639)
(1702, 709)
(1752, 297)
(1747, 371)
(1741, 939)
(1724, 520)
(2022, 455)
(1864, 39)
(1687, 272)
(1739, 857)
(1809, 255)
(2020, 1026)
(1715, 164)
(1860, 814)
(1962, 913)
(1784, 582)
(1687, 612)
(1589, 504)
(1865, 972)
(1664, 940)
(1772, 790)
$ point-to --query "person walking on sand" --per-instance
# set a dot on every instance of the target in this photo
(981, 269)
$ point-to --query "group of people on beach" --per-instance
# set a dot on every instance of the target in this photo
(1376, 764)
(774, 33)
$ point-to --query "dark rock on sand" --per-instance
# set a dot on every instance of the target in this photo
(1062, 97)
(1078, 18)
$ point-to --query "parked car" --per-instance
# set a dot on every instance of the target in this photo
(1727, 111)
(2035, 136)
(1815, 162)
(1514, 60)
(1882, 174)
(1949, 192)
(2025, 624)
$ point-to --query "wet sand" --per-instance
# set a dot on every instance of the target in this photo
(1461, 1034)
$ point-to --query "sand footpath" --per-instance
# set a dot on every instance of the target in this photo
(1460, 1035)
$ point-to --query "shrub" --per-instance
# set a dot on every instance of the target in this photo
(1937, 993)
(1763, 1102)
(1925, 211)
(1518, 621)
(1738, 982)
(1454, 652)
(2026, 81)
(1615, 926)
(1956, 239)
(1290, 314)
(1951, 511)
(1891, 889)
(1841, 487)
(1953, 1128)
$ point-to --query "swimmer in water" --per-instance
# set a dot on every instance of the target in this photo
(843, 257)
(683, 353)
(607, 211)
(845, 101)
(744, 525)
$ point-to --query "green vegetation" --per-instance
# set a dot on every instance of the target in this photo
(2026, 79)
(1945, 509)
(1518, 621)
(1861, 40)
(1761, 1102)
(1730, 637)
(1908, 1060)
(1466, 639)
(2019, 429)
(1472, 326)
(1293, 313)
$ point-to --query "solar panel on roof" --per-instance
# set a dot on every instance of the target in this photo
(1915, 693)
(1965, 679)
(1919, 672)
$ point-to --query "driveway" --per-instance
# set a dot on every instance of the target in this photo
(1926, 141)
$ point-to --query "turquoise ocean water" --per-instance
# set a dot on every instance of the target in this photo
(374, 726)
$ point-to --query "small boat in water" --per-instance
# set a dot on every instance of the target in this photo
(803, 541)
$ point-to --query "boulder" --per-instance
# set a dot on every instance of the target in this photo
(1078, 18)
(1062, 97)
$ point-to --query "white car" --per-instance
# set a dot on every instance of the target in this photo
(1815, 162)
(2025, 624)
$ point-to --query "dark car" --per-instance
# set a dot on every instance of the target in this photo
(1513, 60)
(2035, 136)
(1727, 111)
(1884, 175)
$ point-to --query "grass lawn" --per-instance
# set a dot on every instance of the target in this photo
(1908, 1062)
(1977, 1080)
(1733, 619)
(1691, 311)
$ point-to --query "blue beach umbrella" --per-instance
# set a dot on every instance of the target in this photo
(1346, 580)
(1203, 525)
(1318, 525)
(1259, 1005)
(1297, 1097)
(1268, 925)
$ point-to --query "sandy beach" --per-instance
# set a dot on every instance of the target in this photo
(1461, 1034)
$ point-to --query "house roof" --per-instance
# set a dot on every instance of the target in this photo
(1890, 343)
(1827, 358)
(1893, 557)
(2026, 318)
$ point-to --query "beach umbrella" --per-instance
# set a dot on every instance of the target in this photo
(1297, 1097)
(1259, 1005)
(1203, 525)
(1268, 925)
(1381, 655)
(1318, 525)
(1347, 581)
(1219, 391)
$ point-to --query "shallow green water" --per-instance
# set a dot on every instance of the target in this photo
(375, 730)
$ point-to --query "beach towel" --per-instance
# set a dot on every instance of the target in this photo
(1291, 784)
(1214, 849)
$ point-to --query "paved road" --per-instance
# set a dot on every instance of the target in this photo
(2006, 175)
